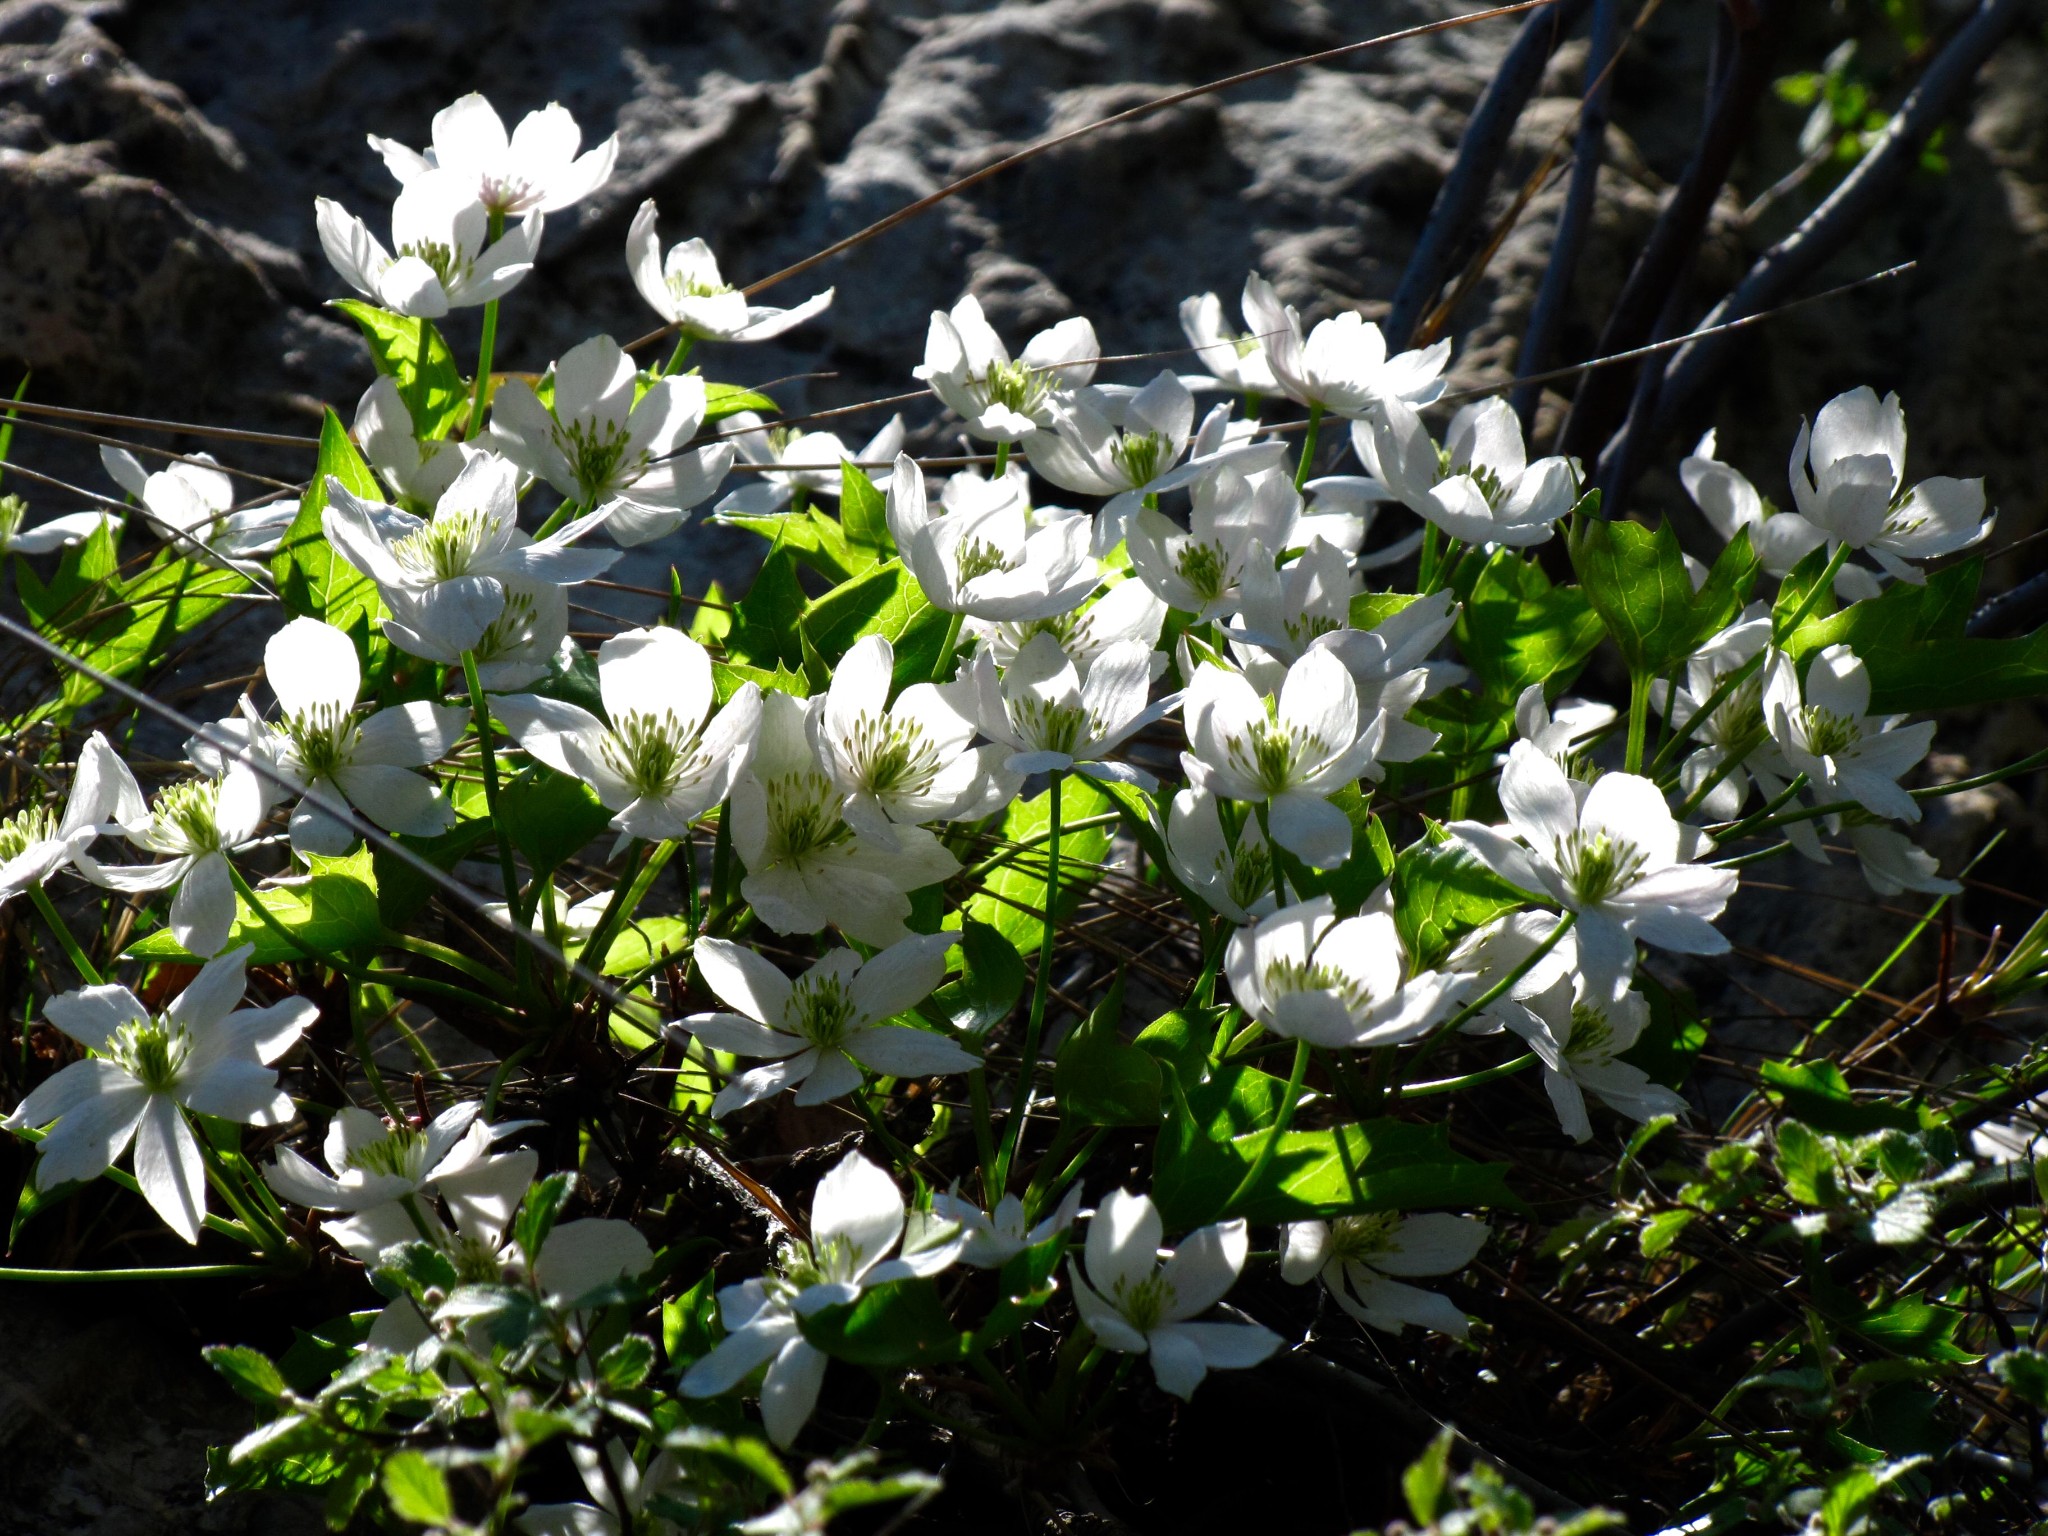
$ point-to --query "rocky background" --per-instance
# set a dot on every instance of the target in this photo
(159, 161)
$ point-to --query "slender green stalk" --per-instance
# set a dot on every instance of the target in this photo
(1426, 561)
(1271, 1145)
(368, 1057)
(1673, 744)
(1469, 1080)
(93, 1276)
(488, 345)
(480, 712)
(1041, 991)
(951, 644)
(427, 949)
(982, 1119)
(1783, 632)
(120, 1178)
(417, 405)
(228, 1187)
(1638, 720)
(1308, 446)
(1488, 998)
(61, 931)
(1002, 461)
(624, 895)
(677, 358)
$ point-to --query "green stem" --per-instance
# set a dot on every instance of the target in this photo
(417, 405)
(122, 1179)
(480, 712)
(1426, 561)
(367, 1057)
(1041, 991)
(600, 941)
(1780, 633)
(61, 930)
(1489, 997)
(1271, 1145)
(1469, 1080)
(1675, 742)
(677, 358)
(427, 949)
(224, 1182)
(1308, 446)
(1002, 461)
(91, 1276)
(1638, 720)
(951, 644)
(983, 1119)
(487, 345)
(557, 518)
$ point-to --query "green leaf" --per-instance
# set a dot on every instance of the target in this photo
(417, 1490)
(764, 632)
(723, 400)
(248, 1371)
(332, 911)
(1101, 1078)
(864, 515)
(1516, 628)
(538, 1212)
(395, 346)
(571, 677)
(1674, 1038)
(1635, 578)
(1180, 1041)
(643, 942)
(167, 602)
(75, 588)
(885, 600)
(1423, 1484)
(1807, 1165)
(810, 536)
(991, 980)
(315, 581)
(412, 1270)
(2026, 1372)
(1816, 1092)
(1027, 1285)
(550, 816)
(627, 1363)
(893, 1325)
(1442, 891)
(1013, 895)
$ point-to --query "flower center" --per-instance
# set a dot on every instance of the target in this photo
(1251, 876)
(1592, 1036)
(1357, 1238)
(825, 1261)
(505, 193)
(446, 547)
(892, 757)
(24, 829)
(152, 1053)
(1286, 975)
(1143, 1302)
(12, 511)
(512, 631)
(821, 1010)
(650, 752)
(322, 738)
(400, 1153)
(1599, 866)
(449, 263)
(597, 451)
(1741, 715)
(1202, 567)
(189, 810)
(1053, 725)
(1270, 757)
(1829, 734)
(803, 817)
(978, 557)
(1140, 455)
(695, 286)
(1015, 386)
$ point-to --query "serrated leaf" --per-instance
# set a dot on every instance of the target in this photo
(992, 978)
(249, 1371)
(395, 346)
(626, 1364)
(333, 910)
(417, 1489)
(1099, 1077)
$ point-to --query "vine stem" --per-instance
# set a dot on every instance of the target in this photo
(480, 712)
(1271, 1145)
(1490, 996)
(952, 643)
(1783, 632)
(1308, 445)
(1041, 991)
(61, 930)
(488, 344)
(1638, 720)
(418, 403)
(1002, 462)
(677, 358)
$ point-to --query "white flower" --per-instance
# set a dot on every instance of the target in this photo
(1357, 1257)
(1342, 365)
(381, 1176)
(1234, 877)
(1234, 524)
(1282, 611)
(1129, 612)
(1128, 446)
(665, 759)
(993, 1238)
(1390, 665)
(447, 578)
(1489, 954)
(1341, 985)
(1292, 753)
(1239, 361)
(191, 506)
(688, 292)
(440, 231)
(1346, 506)
(1857, 495)
(322, 746)
(613, 455)
(516, 648)
(905, 763)
(536, 169)
(1610, 852)
(417, 470)
(601, 1516)
(1780, 539)
(34, 844)
(1558, 732)
(982, 555)
(816, 457)
(1054, 720)
(1827, 733)
(1736, 728)
(45, 538)
(805, 866)
(202, 1054)
(578, 1257)
(195, 825)
(1577, 1037)
(969, 368)
(1134, 1304)
(1480, 488)
(1892, 864)
(821, 1029)
(856, 1219)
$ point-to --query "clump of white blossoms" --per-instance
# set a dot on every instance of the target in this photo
(445, 258)
(35, 844)
(1609, 852)
(534, 169)
(1234, 527)
(194, 825)
(204, 1054)
(447, 579)
(998, 398)
(191, 503)
(1136, 1305)
(662, 759)
(687, 290)
(1781, 539)
(1578, 1036)
(813, 463)
(856, 1220)
(615, 456)
(416, 469)
(1237, 359)
(1053, 719)
(1857, 496)
(823, 1028)
(1365, 1261)
(1233, 875)
(1341, 985)
(1342, 364)
(985, 553)
(1480, 486)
